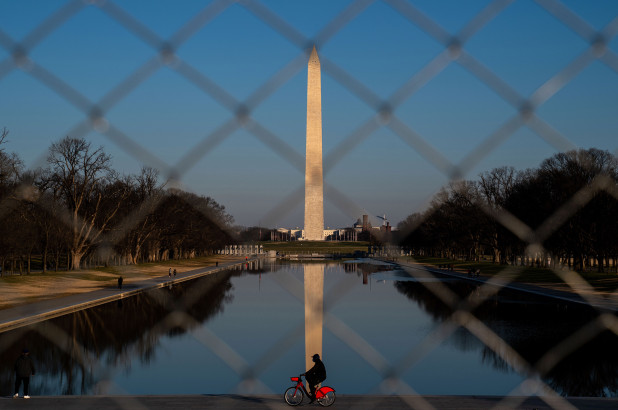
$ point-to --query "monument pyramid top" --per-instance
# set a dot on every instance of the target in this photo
(313, 57)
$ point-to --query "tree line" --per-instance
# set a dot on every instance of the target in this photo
(77, 211)
(565, 212)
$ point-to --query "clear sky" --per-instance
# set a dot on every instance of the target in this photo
(453, 105)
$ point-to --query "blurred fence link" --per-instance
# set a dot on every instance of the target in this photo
(384, 115)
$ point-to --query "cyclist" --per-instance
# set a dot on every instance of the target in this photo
(315, 375)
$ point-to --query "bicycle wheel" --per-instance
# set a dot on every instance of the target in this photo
(293, 396)
(327, 399)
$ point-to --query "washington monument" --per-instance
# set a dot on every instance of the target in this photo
(314, 185)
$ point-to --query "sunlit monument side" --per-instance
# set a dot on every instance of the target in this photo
(314, 189)
(314, 311)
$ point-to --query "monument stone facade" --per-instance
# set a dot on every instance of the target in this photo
(314, 184)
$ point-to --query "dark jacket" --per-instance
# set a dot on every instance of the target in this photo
(317, 373)
(24, 366)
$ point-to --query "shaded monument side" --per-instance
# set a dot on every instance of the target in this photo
(314, 190)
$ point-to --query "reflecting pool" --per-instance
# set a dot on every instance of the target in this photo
(248, 330)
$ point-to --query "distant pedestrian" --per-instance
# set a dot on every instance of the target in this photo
(174, 272)
(120, 282)
(169, 273)
(24, 368)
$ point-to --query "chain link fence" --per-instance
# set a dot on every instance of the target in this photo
(384, 116)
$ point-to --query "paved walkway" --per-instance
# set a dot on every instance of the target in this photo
(275, 402)
(39, 311)
(607, 304)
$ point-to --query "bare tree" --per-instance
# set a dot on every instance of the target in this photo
(10, 164)
(10, 215)
(138, 222)
(80, 174)
(495, 187)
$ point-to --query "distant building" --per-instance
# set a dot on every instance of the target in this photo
(362, 225)
(361, 230)
(352, 233)
(286, 235)
(329, 233)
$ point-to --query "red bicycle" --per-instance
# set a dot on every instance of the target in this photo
(325, 396)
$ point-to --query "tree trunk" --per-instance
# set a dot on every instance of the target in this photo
(45, 259)
(135, 256)
(76, 260)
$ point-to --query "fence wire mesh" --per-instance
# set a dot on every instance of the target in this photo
(526, 107)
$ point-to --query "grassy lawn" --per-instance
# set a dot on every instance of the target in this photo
(606, 282)
(316, 247)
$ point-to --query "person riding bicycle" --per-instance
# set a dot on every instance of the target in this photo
(315, 375)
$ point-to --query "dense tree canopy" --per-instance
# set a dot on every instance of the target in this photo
(565, 210)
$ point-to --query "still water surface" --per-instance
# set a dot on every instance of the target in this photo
(244, 331)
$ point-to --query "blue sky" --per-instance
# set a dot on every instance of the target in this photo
(167, 115)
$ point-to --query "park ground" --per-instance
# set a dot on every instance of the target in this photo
(22, 289)
(601, 283)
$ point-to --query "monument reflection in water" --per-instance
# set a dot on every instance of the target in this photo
(314, 311)
(242, 332)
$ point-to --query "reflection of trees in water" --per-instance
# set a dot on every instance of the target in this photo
(594, 373)
(532, 326)
(72, 352)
